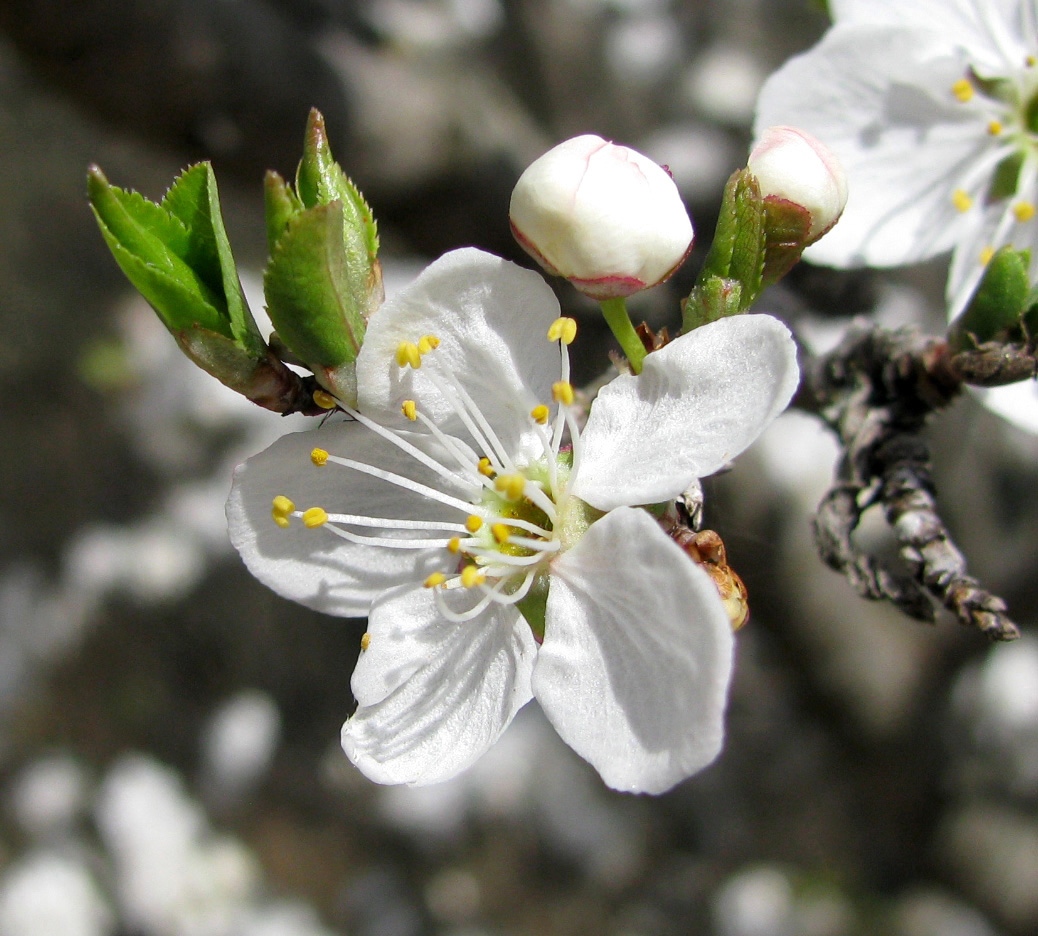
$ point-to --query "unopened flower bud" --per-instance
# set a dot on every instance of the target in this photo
(606, 218)
(795, 167)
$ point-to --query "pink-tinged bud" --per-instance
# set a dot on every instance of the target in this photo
(793, 166)
(608, 219)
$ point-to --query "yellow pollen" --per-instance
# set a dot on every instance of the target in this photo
(428, 343)
(995, 127)
(365, 641)
(283, 505)
(324, 399)
(963, 89)
(319, 457)
(961, 200)
(485, 468)
(314, 517)
(1030, 60)
(280, 519)
(512, 486)
(410, 410)
(540, 414)
(454, 545)
(407, 354)
(562, 392)
(471, 577)
(501, 532)
(986, 254)
(437, 578)
(1023, 211)
(473, 523)
(563, 329)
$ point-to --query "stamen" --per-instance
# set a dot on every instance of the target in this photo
(407, 354)
(501, 532)
(283, 505)
(454, 545)
(511, 485)
(428, 343)
(280, 519)
(963, 90)
(434, 580)
(314, 517)
(473, 523)
(325, 400)
(562, 392)
(995, 127)
(365, 641)
(986, 254)
(410, 410)
(485, 468)
(406, 483)
(563, 329)
(319, 457)
(540, 414)
(1023, 211)
(961, 200)
(471, 576)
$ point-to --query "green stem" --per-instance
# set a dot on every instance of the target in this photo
(615, 312)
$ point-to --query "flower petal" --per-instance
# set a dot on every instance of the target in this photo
(880, 98)
(434, 694)
(492, 319)
(316, 567)
(637, 655)
(697, 404)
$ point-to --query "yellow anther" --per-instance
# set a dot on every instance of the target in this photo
(562, 392)
(485, 468)
(512, 486)
(454, 545)
(963, 89)
(501, 532)
(319, 457)
(563, 329)
(995, 127)
(314, 517)
(324, 399)
(986, 254)
(1023, 211)
(471, 577)
(473, 523)
(437, 578)
(365, 641)
(407, 354)
(281, 519)
(282, 505)
(410, 410)
(540, 414)
(1030, 60)
(428, 343)
(961, 200)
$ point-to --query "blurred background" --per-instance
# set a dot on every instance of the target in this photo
(169, 757)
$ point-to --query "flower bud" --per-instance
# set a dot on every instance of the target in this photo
(793, 166)
(606, 218)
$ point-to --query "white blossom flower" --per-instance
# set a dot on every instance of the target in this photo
(605, 217)
(932, 107)
(498, 564)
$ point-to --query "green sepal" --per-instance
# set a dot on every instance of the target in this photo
(710, 300)
(787, 227)
(996, 312)
(310, 297)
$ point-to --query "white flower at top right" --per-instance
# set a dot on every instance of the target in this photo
(932, 108)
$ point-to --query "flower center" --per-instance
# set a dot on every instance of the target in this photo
(516, 516)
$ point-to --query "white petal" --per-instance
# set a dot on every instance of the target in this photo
(316, 567)
(880, 98)
(1017, 403)
(982, 27)
(637, 655)
(492, 319)
(697, 404)
(434, 694)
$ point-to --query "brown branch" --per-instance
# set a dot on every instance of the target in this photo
(876, 390)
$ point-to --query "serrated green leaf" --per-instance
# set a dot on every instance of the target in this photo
(281, 205)
(712, 298)
(719, 258)
(309, 291)
(194, 200)
(787, 227)
(748, 249)
(996, 310)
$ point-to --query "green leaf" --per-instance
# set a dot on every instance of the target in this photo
(996, 310)
(281, 205)
(787, 227)
(310, 296)
(711, 299)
